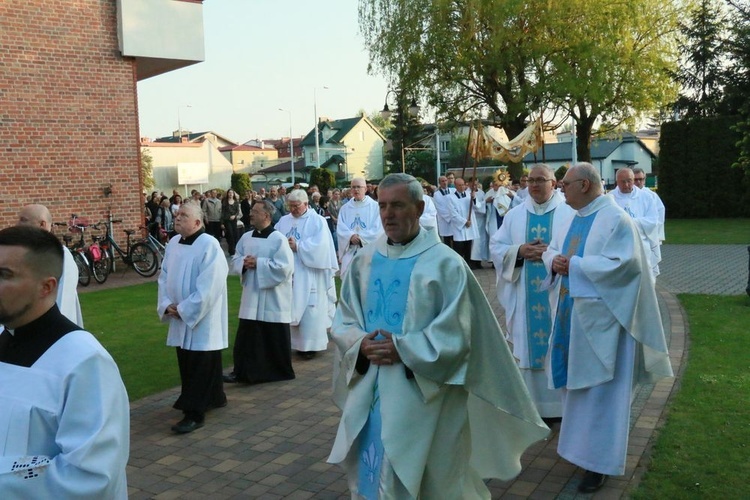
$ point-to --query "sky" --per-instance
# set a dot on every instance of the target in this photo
(262, 55)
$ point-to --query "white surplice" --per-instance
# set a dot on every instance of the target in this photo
(267, 289)
(615, 323)
(195, 278)
(67, 290)
(465, 414)
(499, 204)
(642, 208)
(461, 210)
(361, 218)
(441, 198)
(511, 291)
(480, 248)
(64, 424)
(313, 289)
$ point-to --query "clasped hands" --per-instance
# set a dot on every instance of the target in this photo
(171, 311)
(250, 262)
(561, 265)
(532, 251)
(379, 352)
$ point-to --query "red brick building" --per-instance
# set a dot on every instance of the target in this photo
(68, 103)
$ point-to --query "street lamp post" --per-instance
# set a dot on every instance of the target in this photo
(317, 139)
(386, 114)
(291, 142)
(179, 123)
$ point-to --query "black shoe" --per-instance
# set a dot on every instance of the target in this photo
(307, 354)
(591, 482)
(186, 425)
(230, 379)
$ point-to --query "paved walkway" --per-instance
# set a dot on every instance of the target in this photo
(272, 440)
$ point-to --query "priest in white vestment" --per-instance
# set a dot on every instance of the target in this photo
(265, 263)
(463, 221)
(431, 397)
(480, 250)
(358, 224)
(428, 220)
(607, 330)
(193, 300)
(642, 208)
(67, 290)
(517, 249)
(313, 289)
(64, 410)
(441, 198)
(639, 180)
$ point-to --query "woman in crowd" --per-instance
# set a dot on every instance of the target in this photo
(230, 212)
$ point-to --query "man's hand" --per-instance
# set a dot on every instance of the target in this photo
(355, 241)
(292, 243)
(468, 223)
(379, 352)
(171, 311)
(532, 251)
(560, 265)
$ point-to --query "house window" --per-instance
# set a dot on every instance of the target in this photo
(312, 156)
(362, 135)
(444, 146)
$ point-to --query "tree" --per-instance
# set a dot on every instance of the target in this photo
(147, 169)
(241, 183)
(614, 63)
(404, 131)
(323, 178)
(510, 60)
(703, 54)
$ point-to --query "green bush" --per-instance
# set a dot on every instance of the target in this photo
(696, 178)
(323, 178)
(241, 183)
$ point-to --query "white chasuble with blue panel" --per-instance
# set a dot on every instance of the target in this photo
(384, 309)
(538, 317)
(575, 242)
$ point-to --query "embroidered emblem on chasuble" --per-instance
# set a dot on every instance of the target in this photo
(358, 223)
(538, 317)
(293, 232)
(575, 242)
(384, 307)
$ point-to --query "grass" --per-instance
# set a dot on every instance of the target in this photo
(707, 231)
(124, 320)
(703, 450)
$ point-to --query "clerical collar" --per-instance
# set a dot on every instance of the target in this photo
(541, 208)
(191, 239)
(403, 243)
(264, 233)
(29, 342)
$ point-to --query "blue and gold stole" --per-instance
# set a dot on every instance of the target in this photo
(538, 317)
(384, 307)
(575, 241)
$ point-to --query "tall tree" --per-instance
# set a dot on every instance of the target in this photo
(511, 59)
(703, 54)
(615, 64)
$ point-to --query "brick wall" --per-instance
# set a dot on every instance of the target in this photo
(68, 111)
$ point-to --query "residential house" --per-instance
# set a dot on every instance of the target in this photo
(248, 158)
(608, 155)
(194, 163)
(349, 147)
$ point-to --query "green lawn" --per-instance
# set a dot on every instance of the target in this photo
(707, 231)
(704, 449)
(124, 320)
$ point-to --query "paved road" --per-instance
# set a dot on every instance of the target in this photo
(272, 440)
(704, 269)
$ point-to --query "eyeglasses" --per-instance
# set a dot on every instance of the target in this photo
(358, 187)
(568, 183)
(538, 180)
(639, 179)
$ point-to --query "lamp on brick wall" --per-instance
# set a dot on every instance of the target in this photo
(107, 190)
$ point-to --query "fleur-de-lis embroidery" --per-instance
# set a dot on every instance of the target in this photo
(539, 310)
(539, 231)
(371, 461)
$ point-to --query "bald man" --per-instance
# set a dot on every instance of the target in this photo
(67, 296)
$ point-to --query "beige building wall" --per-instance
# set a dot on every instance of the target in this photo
(167, 156)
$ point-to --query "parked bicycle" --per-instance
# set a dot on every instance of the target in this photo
(139, 255)
(77, 249)
(98, 259)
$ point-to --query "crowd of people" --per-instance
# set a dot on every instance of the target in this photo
(435, 396)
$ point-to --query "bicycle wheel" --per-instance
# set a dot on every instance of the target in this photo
(100, 268)
(144, 260)
(84, 273)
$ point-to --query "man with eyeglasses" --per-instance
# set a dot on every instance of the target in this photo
(642, 208)
(606, 317)
(359, 223)
(516, 250)
(639, 179)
